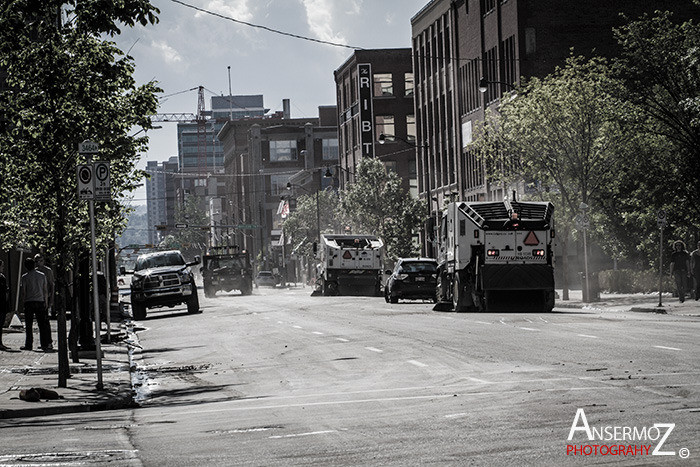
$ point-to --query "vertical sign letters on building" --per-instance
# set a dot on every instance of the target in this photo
(364, 78)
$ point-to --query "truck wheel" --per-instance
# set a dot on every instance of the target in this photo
(548, 301)
(138, 310)
(459, 299)
(393, 299)
(247, 289)
(193, 303)
(386, 294)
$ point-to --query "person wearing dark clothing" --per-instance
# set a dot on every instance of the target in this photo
(4, 304)
(34, 295)
(680, 268)
(695, 271)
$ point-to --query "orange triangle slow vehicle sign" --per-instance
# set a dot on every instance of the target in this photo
(531, 239)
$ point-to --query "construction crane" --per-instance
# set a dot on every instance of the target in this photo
(201, 118)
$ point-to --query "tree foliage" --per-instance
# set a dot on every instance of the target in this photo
(301, 224)
(563, 134)
(378, 205)
(660, 68)
(64, 83)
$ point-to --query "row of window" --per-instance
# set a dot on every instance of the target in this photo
(384, 85)
(286, 150)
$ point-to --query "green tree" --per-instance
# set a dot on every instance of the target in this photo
(301, 224)
(659, 66)
(378, 205)
(562, 134)
(64, 84)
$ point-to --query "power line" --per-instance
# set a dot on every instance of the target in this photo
(276, 31)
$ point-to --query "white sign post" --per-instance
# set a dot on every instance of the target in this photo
(88, 148)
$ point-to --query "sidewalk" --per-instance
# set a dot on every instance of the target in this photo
(641, 303)
(20, 369)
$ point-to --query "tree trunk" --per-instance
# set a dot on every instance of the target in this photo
(60, 291)
(565, 266)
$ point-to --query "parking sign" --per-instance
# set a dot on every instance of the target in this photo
(103, 190)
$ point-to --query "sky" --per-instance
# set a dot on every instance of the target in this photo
(188, 48)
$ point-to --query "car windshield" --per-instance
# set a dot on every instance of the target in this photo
(264, 273)
(170, 259)
(418, 266)
(231, 263)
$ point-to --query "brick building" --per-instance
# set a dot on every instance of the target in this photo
(388, 94)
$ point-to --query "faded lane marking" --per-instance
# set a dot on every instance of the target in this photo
(666, 348)
(482, 322)
(317, 333)
(477, 380)
(417, 363)
(373, 349)
(341, 339)
(297, 435)
(456, 415)
(528, 329)
(586, 335)
(297, 327)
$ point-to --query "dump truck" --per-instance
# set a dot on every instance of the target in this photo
(349, 265)
(227, 269)
(496, 256)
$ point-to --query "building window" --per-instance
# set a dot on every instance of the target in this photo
(391, 166)
(384, 124)
(330, 149)
(408, 83)
(410, 127)
(383, 85)
(278, 184)
(283, 150)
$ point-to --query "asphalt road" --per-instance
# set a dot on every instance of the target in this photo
(282, 378)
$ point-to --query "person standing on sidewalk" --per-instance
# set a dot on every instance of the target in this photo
(48, 272)
(4, 304)
(34, 296)
(695, 271)
(680, 267)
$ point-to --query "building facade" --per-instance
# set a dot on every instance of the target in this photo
(161, 200)
(374, 96)
(261, 156)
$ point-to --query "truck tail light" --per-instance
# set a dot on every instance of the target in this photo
(492, 253)
(537, 252)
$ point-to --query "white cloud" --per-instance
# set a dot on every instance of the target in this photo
(319, 17)
(169, 54)
(237, 9)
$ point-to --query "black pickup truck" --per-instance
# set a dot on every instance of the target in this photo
(227, 269)
(162, 278)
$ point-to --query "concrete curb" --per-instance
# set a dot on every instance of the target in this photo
(119, 402)
(657, 310)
